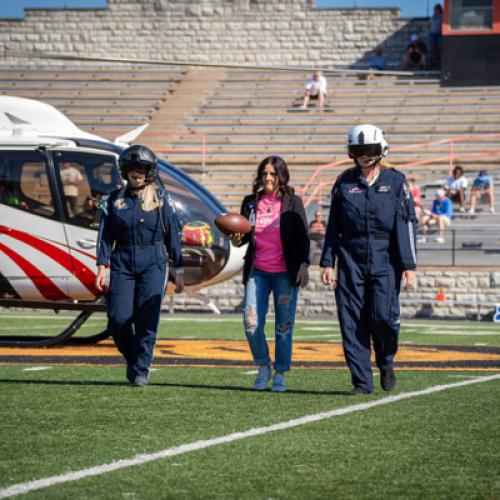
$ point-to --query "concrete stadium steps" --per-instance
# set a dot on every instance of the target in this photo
(368, 93)
(107, 100)
(306, 119)
(353, 102)
(251, 114)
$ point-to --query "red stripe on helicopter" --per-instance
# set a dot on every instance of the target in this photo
(70, 263)
(43, 283)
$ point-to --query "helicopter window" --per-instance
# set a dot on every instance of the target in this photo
(85, 178)
(204, 248)
(24, 182)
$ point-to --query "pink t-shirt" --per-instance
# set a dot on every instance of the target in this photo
(269, 255)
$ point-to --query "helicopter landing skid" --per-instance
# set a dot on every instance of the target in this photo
(65, 336)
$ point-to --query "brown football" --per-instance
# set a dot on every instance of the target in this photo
(232, 223)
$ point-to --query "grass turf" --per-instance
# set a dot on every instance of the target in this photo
(443, 445)
(230, 327)
(66, 418)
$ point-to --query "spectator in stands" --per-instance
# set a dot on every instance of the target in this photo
(315, 89)
(435, 37)
(277, 261)
(455, 186)
(435, 23)
(482, 187)
(441, 213)
(417, 198)
(416, 54)
(317, 227)
(71, 179)
(378, 60)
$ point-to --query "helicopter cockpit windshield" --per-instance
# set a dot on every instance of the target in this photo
(204, 248)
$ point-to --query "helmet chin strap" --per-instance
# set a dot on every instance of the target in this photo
(373, 164)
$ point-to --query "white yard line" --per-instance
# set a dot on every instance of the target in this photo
(440, 326)
(22, 488)
(471, 333)
(319, 336)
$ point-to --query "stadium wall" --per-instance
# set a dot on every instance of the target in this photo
(268, 32)
(468, 294)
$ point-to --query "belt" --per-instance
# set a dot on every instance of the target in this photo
(380, 235)
(142, 245)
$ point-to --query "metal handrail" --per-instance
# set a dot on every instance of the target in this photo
(450, 158)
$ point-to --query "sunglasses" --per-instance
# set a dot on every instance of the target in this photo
(369, 150)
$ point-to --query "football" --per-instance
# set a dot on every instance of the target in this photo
(232, 223)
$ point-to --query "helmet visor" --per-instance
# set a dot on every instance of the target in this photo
(370, 150)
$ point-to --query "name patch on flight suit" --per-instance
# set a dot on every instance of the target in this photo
(384, 189)
(120, 204)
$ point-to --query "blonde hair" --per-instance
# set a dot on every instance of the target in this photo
(384, 163)
(150, 199)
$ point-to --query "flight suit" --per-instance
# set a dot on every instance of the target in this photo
(370, 237)
(138, 245)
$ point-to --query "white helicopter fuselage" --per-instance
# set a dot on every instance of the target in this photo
(51, 177)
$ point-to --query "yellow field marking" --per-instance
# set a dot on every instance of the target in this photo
(237, 351)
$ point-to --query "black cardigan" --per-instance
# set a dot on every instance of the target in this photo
(293, 230)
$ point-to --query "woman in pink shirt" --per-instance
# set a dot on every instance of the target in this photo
(277, 261)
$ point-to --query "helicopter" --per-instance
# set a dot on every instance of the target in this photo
(53, 176)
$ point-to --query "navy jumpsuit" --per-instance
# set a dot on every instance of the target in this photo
(371, 238)
(138, 244)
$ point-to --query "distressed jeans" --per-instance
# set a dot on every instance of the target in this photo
(256, 306)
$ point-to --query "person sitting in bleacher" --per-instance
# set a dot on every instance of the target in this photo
(416, 54)
(441, 213)
(378, 60)
(482, 187)
(315, 89)
(416, 194)
(456, 185)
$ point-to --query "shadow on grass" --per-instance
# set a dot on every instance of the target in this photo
(104, 383)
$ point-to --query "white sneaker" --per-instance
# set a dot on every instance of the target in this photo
(492, 210)
(421, 239)
(439, 240)
(472, 211)
(462, 209)
(263, 377)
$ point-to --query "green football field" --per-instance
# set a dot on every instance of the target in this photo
(200, 432)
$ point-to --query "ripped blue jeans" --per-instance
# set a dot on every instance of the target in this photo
(256, 306)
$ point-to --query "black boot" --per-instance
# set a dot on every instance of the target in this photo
(387, 379)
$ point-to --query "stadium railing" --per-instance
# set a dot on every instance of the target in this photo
(316, 193)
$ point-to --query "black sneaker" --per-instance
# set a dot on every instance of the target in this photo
(359, 391)
(387, 379)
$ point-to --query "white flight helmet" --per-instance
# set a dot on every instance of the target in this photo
(366, 140)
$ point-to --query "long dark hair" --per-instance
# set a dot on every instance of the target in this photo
(282, 172)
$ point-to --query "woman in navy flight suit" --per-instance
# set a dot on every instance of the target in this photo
(370, 238)
(138, 233)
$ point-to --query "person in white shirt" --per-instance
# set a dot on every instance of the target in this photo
(71, 178)
(315, 89)
(456, 185)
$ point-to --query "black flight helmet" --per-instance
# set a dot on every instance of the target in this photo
(138, 156)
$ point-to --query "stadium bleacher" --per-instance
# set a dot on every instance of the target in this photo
(245, 115)
(107, 100)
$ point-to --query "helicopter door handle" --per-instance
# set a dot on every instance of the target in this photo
(86, 243)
